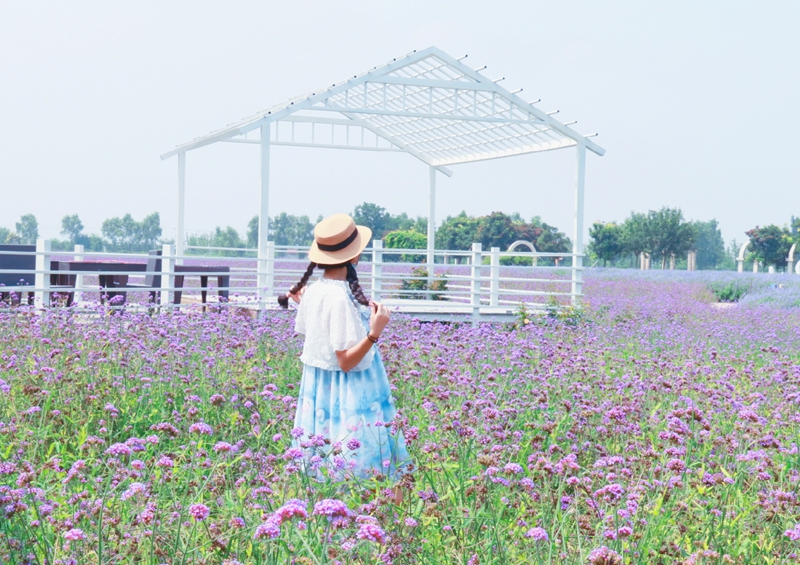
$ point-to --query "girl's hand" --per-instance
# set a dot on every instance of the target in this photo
(378, 319)
(297, 295)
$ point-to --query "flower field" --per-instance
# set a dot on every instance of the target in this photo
(651, 427)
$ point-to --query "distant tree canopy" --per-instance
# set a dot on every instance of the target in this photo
(405, 239)
(709, 244)
(126, 234)
(606, 241)
(770, 244)
(72, 227)
(27, 229)
(660, 233)
(382, 222)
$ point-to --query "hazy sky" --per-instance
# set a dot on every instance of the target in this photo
(697, 104)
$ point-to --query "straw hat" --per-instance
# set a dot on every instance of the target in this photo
(337, 239)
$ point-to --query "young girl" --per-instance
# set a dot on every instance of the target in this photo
(344, 393)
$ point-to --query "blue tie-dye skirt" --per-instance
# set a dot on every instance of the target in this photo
(352, 410)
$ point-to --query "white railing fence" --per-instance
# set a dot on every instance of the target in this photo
(474, 282)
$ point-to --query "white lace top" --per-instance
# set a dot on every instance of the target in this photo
(329, 319)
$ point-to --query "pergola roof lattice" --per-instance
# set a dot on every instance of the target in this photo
(427, 104)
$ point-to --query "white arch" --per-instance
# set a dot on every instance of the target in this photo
(790, 259)
(527, 244)
(740, 258)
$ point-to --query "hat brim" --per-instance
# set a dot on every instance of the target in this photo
(350, 252)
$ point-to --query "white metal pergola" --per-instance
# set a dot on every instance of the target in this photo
(427, 104)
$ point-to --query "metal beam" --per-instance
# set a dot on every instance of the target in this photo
(577, 230)
(431, 225)
(320, 145)
(264, 267)
(181, 203)
(428, 83)
(456, 117)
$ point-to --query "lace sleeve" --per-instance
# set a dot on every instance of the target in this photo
(300, 319)
(344, 325)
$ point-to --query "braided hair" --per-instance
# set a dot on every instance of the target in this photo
(355, 287)
(352, 280)
(283, 299)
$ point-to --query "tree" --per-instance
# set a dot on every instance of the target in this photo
(606, 242)
(403, 222)
(794, 227)
(770, 244)
(496, 230)
(252, 233)
(552, 241)
(659, 233)
(374, 217)
(634, 234)
(28, 229)
(286, 229)
(405, 239)
(709, 244)
(71, 226)
(668, 234)
(149, 232)
(457, 232)
(127, 234)
(113, 232)
(5, 235)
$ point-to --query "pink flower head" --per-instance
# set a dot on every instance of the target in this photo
(293, 508)
(75, 534)
(371, 532)
(269, 529)
(201, 428)
(222, 446)
(293, 453)
(537, 534)
(331, 508)
(604, 556)
(165, 461)
(794, 533)
(118, 449)
(199, 511)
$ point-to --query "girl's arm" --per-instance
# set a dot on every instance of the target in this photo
(349, 358)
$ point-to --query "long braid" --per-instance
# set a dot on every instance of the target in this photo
(355, 287)
(283, 299)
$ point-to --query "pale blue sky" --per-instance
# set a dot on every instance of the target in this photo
(696, 103)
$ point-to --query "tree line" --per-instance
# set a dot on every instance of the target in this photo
(662, 234)
(118, 234)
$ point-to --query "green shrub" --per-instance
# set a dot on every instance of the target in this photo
(420, 283)
(729, 291)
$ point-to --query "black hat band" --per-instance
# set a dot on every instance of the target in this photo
(341, 245)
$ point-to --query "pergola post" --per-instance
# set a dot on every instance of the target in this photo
(577, 241)
(181, 205)
(264, 265)
(431, 227)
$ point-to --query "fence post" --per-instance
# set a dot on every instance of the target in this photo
(270, 266)
(494, 299)
(475, 273)
(79, 277)
(42, 278)
(377, 268)
(167, 273)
